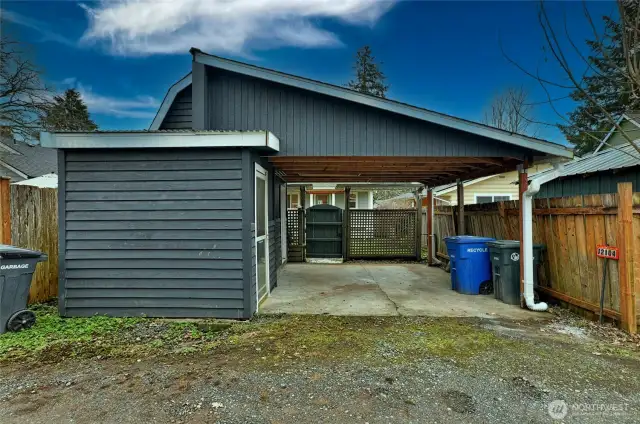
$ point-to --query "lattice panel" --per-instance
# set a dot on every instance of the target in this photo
(293, 226)
(382, 233)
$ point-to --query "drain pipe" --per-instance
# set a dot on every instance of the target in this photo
(527, 235)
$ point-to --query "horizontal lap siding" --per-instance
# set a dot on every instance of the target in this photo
(153, 232)
(312, 124)
(179, 115)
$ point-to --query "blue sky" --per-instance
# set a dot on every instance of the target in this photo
(443, 56)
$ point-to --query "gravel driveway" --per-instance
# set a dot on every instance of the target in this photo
(259, 379)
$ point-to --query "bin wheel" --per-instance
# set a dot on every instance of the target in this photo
(21, 320)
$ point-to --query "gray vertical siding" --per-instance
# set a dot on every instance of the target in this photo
(153, 232)
(597, 183)
(179, 115)
(310, 124)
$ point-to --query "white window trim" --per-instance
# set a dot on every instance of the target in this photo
(355, 193)
(260, 172)
(298, 201)
(492, 195)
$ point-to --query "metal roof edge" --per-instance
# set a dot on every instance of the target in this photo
(380, 103)
(168, 100)
(159, 139)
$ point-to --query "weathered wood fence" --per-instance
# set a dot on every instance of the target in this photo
(570, 228)
(30, 220)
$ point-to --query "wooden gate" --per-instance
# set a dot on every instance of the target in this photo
(376, 233)
(324, 231)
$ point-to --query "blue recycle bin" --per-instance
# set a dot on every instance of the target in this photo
(470, 263)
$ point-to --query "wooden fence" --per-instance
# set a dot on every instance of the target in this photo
(570, 228)
(30, 220)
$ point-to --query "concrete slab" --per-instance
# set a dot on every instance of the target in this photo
(379, 289)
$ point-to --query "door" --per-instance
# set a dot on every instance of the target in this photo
(262, 235)
(324, 231)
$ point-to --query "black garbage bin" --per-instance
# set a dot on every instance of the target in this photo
(505, 266)
(16, 270)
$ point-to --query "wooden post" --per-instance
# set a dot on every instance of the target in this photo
(523, 185)
(301, 228)
(627, 257)
(430, 238)
(460, 192)
(418, 224)
(345, 224)
(5, 210)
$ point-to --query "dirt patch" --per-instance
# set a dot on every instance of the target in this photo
(459, 402)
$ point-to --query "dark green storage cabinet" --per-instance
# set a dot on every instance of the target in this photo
(505, 266)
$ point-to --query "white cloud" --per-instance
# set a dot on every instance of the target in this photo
(143, 107)
(144, 27)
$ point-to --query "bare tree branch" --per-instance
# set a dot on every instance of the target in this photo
(510, 111)
(597, 104)
(22, 94)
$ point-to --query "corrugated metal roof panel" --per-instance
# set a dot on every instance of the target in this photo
(604, 160)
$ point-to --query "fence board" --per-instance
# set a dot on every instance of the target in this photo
(34, 225)
(570, 228)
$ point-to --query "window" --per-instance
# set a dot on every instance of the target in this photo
(490, 198)
(293, 200)
(322, 199)
(353, 200)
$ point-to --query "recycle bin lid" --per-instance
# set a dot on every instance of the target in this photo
(467, 239)
(12, 252)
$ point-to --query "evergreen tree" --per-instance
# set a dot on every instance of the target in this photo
(68, 112)
(369, 78)
(607, 84)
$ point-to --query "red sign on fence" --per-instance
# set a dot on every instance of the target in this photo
(609, 252)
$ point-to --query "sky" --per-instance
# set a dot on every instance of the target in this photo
(450, 57)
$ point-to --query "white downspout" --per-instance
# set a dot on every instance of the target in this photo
(527, 242)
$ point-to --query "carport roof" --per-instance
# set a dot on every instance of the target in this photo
(427, 170)
(535, 144)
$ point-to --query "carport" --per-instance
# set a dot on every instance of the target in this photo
(187, 219)
(374, 288)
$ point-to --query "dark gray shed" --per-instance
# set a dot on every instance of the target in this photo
(185, 220)
(598, 173)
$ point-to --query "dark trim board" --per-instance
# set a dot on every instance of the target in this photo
(62, 231)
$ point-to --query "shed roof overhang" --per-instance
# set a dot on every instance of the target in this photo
(430, 171)
(160, 139)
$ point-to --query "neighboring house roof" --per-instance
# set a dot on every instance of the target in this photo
(634, 118)
(44, 181)
(604, 160)
(28, 160)
(357, 97)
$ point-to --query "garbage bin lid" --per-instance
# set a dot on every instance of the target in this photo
(467, 239)
(510, 244)
(7, 251)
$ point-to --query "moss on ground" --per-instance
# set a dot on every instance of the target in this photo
(272, 341)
